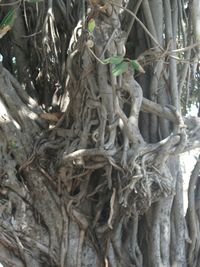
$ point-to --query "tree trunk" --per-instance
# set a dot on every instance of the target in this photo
(90, 139)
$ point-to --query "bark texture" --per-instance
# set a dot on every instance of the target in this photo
(90, 138)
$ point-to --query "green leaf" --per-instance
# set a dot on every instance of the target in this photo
(12, 144)
(113, 60)
(120, 68)
(136, 66)
(116, 60)
(8, 19)
(91, 25)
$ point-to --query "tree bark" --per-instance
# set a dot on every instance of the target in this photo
(89, 168)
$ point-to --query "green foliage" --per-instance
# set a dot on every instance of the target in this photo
(12, 145)
(136, 66)
(8, 19)
(114, 60)
(120, 68)
(121, 65)
(91, 25)
(7, 22)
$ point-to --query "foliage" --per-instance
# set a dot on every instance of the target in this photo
(7, 23)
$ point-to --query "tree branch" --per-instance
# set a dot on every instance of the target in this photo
(152, 107)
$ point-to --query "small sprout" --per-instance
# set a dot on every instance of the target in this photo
(136, 66)
(91, 25)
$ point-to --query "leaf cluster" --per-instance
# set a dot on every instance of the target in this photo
(122, 64)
